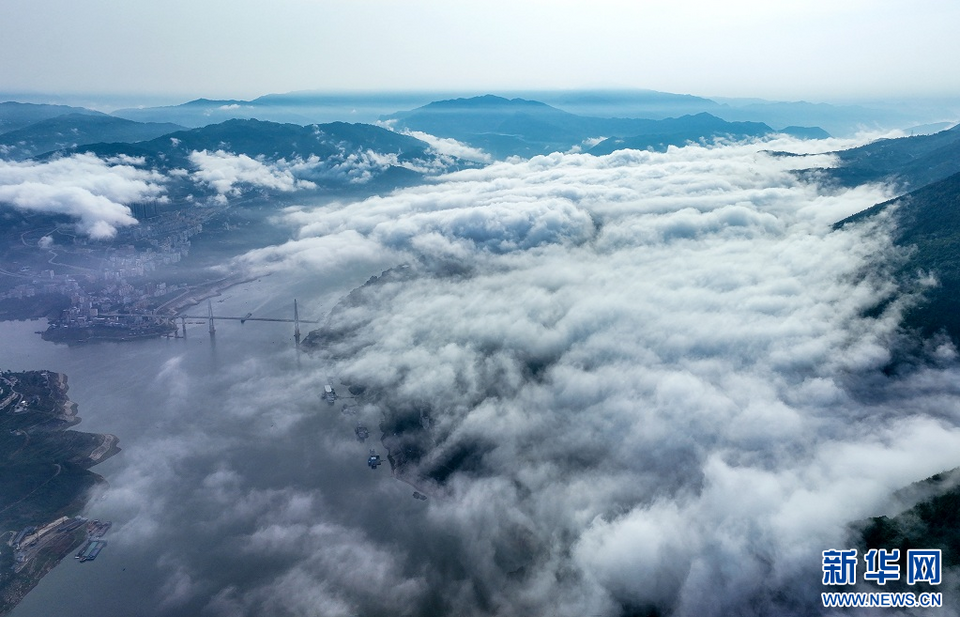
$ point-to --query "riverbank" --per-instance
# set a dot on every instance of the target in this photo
(44, 471)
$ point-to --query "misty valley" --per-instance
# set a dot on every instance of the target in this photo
(564, 353)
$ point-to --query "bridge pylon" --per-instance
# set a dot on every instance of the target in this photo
(296, 323)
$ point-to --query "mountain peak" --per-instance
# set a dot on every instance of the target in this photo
(201, 102)
(486, 102)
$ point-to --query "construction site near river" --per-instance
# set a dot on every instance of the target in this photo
(30, 541)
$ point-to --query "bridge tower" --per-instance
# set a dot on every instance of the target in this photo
(296, 323)
(213, 330)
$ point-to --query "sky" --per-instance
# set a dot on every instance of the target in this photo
(810, 49)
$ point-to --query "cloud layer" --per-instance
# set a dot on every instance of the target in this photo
(637, 380)
(224, 171)
(83, 186)
(97, 191)
(643, 380)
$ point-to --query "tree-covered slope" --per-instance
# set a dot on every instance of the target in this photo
(928, 219)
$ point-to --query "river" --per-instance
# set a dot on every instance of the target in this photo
(224, 441)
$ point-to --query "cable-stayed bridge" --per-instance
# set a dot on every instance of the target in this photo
(210, 318)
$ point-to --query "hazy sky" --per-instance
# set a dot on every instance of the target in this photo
(790, 49)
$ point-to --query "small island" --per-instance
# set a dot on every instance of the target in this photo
(45, 480)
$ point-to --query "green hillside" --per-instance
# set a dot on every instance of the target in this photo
(929, 220)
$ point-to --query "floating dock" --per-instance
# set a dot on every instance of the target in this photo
(97, 528)
(90, 551)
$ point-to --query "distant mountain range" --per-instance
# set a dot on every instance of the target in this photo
(293, 107)
(267, 140)
(319, 107)
(841, 120)
(15, 115)
(533, 123)
(519, 127)
(679, 131)
(503, 127)
(203, 112)
(76, 129)
(649, 104)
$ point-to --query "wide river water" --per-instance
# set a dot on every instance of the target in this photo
(217, 435)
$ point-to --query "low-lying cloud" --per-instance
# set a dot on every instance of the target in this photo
(229, 173)
(225, 171)
(643, 380)
(97, 191)
(82, 186)
(642, 376)
(449, 147)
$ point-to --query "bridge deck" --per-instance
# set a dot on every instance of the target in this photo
(206, 317)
